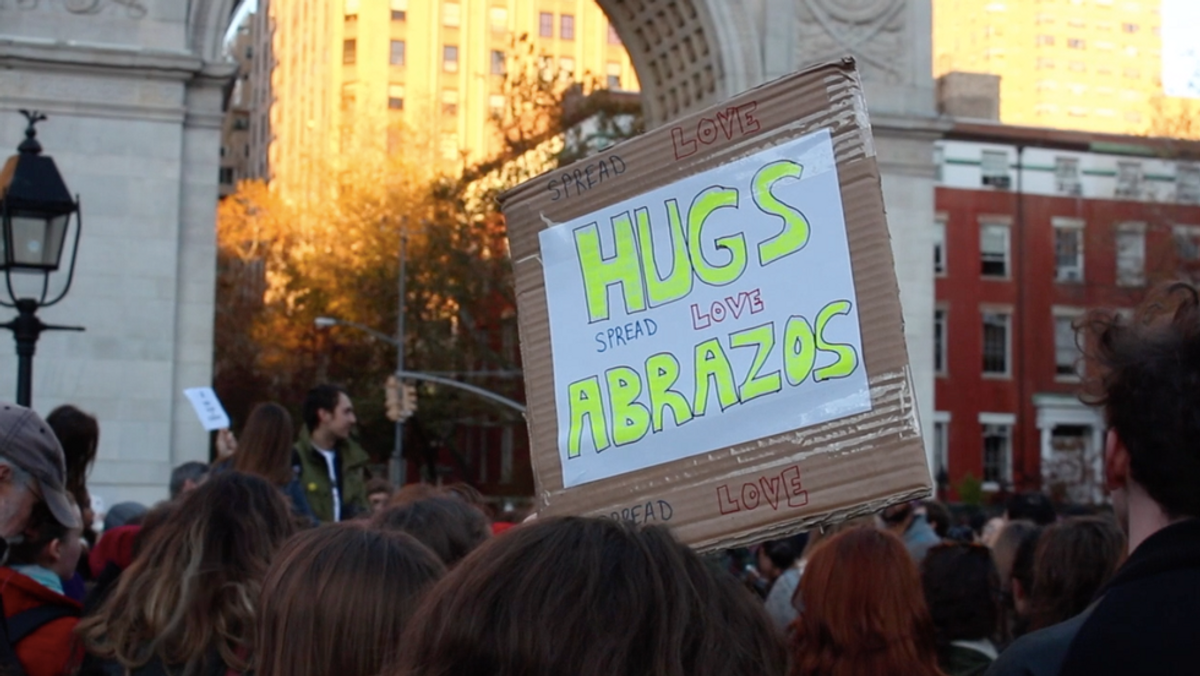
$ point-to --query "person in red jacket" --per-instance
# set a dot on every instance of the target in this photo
(41, 619)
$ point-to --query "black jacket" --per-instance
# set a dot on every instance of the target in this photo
(1146, 621)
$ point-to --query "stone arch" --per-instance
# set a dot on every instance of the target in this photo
(687, 53)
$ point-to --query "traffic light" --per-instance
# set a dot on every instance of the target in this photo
(401, 399)
(408, 399)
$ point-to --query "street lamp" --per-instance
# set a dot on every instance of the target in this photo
(35, 215)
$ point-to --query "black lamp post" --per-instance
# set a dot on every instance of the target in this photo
(35, 215)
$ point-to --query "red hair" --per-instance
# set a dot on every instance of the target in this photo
(863, 610)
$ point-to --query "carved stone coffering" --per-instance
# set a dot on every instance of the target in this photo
(135, 9)
(874, 31)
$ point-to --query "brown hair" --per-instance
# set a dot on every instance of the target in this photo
(588, 597)
(265, 448)
(337, 599)
(863, 611)
(193, 590)
(1143, 372)
(448, 526)
(1073, 560)
(79, 435)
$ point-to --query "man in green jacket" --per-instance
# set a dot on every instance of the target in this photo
(332, 468)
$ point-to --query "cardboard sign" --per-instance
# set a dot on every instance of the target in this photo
(710, 322)
(208, 408)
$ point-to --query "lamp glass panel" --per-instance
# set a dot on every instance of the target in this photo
(29, 237)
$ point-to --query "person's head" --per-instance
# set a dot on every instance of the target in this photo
(47, 543)
(862, 610)
(1004, 551)
(194, 587)
(1074, 559)
(1030, 506)
(938, 516)
(962, 591)
(410, 493)
(32, 469)
(328, 412)
(265, 448)
(125, 514)
(1143, 371)
(187, 478)
(448, 526)
(897, 518)
(776, 556)
(588, 597)
(79, 435)
(379, 493)
(337, 599)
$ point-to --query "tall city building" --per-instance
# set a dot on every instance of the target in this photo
(237, 147)
(1092, 65)
(343, 68)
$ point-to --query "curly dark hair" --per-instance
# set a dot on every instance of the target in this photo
(1145, 372)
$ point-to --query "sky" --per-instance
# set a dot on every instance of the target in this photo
(1181, 48)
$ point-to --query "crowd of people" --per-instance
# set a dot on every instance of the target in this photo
(285, 558)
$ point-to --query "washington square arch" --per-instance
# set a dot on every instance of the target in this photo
(134, 93)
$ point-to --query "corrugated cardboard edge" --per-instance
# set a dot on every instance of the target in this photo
(529, 212)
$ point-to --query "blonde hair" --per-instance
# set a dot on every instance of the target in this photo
(192, 593)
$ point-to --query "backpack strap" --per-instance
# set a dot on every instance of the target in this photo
(26, 622)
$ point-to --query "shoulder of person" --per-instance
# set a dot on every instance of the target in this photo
(1039, 653)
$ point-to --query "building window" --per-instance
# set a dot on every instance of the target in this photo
(993, 249)
(399, 10)
(1131, 254)
(396, 97)
(941, 444)
(567, 65)
(997, 452)
(1045, 64)
(1076, 43)
(498, 19)
(497, 62)
(1187, 183)
(566, 27)
(613, 71)
(449, 146)
(940, 342)
(1129, 180)
(224, 151)
(545, 24)
(349, 51)
(397, 55)
(352, 8)
(226, 175)
(1068, 250)
(1077, 67)
(1045, 40)
(1132, 73)
(613, 38)
(496, 104)
(1066, 349)
(451, 14)
(1066, 176)
(450, 58)
(993, 166)
(449, 101)
(996, 333)
(939, 247)
(1187, 242)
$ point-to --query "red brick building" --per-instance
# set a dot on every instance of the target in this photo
(1035, 227)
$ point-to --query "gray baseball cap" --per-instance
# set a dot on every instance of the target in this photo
(28, 442)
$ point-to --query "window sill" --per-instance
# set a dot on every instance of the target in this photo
(997, 376)
(995, 278)
(990, 487)
(1068, 379)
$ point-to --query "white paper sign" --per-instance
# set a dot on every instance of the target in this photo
(711, 312)
(212, 415)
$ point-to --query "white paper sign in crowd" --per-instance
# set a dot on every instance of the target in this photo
(710, 312)
(208, 408)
